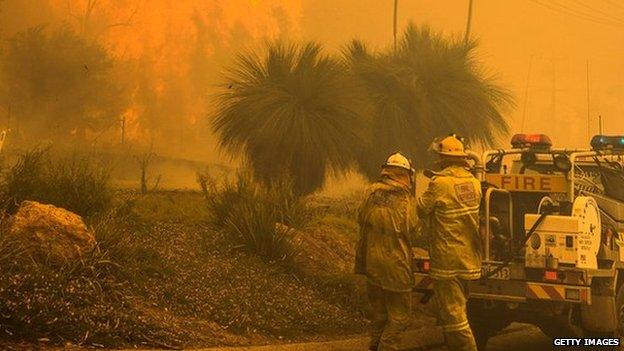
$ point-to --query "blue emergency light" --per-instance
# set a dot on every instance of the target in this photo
(601, 142)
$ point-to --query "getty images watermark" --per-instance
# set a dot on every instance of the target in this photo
(586, 342)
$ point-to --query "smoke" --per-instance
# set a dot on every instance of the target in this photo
(511, 34)
(168, 54)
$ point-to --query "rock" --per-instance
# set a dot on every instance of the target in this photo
(50, 232)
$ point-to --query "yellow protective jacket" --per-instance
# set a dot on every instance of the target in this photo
(449, 209)
(387, 219)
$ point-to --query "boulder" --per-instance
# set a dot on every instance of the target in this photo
(51, 233)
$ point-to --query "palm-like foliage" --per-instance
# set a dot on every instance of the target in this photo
(292, 112)
(429, 86)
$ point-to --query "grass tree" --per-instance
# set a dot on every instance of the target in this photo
(292, 111)
(429, 85)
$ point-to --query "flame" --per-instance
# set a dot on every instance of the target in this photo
(132, 27)
(162, 34)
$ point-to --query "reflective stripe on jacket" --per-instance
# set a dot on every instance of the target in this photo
(449, 208)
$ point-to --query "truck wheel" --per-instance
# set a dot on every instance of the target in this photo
(486, 320)
(619, 305)
(553, 328)
(619, 330)
(482, 336)
(563, 325)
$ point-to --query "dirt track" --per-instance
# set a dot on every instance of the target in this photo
(518, 337)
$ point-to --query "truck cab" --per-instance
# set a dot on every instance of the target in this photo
(552, 228)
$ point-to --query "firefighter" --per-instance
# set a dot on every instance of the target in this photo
(387, 220)
(449, 209)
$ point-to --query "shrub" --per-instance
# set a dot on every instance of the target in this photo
(24, 181)
(425, 86)
(261, 218)
(78, 182)
(115, 244)
(222, 198)
(287, 205)
(292, 110)
(255, 226)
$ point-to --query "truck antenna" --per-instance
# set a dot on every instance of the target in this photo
(600, 124)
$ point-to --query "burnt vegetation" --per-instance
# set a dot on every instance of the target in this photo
(173, 269)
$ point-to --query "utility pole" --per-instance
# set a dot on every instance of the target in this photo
(468, 22)
(123, 129)
(600, 124)
(588, 118)
(394, 23)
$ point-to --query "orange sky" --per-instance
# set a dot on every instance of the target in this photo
(510, 33)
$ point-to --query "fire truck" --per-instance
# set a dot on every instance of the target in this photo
(552, 230)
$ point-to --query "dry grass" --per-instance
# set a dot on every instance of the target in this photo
(81, 301)
(163, 275)
(242, 292)
(175, 269)
(259, 218)
(174, 206)
(168, 282)
(78, 182)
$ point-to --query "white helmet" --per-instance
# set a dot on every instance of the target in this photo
(398, 160)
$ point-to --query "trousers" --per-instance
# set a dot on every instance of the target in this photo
(391, 315)
(450, 296)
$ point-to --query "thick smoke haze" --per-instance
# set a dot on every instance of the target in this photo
(556, 41)
(169, 55)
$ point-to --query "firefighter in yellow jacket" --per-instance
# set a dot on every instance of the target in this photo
(387, 219)
(449, 209)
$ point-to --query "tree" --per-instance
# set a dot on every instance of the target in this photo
(428, 87)
(60, 84)
(292, 111)
(92, 19)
